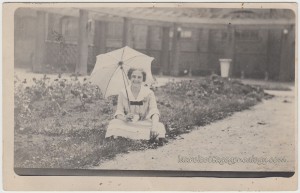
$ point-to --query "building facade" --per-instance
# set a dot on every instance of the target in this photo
(48, 41)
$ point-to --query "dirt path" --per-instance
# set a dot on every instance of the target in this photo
(265, 131)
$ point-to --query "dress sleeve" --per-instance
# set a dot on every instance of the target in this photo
(152, 105)
(120, 107)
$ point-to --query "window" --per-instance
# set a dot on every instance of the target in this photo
(139, 36)
(186, 34)
(183, 34)
(219, 35)
(247, 35)
(115, 30)
(70, 29)
(156, 33)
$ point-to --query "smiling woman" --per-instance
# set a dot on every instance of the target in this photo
(137, 116)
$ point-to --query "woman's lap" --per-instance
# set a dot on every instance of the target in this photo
(136, 130)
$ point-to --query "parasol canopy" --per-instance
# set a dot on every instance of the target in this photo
(110, 71)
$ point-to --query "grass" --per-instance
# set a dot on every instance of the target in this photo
(72, 136)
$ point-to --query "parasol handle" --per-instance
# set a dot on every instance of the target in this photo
(125, 85)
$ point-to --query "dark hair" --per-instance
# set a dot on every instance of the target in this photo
(130, 71)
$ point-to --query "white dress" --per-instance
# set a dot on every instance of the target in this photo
(144, 106)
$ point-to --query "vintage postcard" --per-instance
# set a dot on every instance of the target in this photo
(152, 96)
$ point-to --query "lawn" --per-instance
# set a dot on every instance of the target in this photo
(61, 123)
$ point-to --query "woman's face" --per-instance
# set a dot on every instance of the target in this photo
(136, 77)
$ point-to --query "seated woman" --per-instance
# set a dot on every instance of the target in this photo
(138, 117)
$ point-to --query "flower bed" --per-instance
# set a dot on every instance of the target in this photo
(61, 123)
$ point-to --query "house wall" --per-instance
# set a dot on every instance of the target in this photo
(24, 40)
(256, 50)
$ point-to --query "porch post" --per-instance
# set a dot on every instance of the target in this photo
(269, 54)
(39, 57)
(204, 48)
(81, 66)
(164, 59)
(127, 32)
(149, 39)
(100, 36)
(230, 47)
(285, 60)
(175, 50)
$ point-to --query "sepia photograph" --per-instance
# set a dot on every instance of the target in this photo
(150, 90)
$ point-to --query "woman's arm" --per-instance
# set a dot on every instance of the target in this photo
(120, 114)
(120, 108)
(155, 121)
(153, 110)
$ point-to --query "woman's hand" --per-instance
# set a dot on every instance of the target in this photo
(129, 117)
(155, 121)
(153, 133)
(121, 117)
